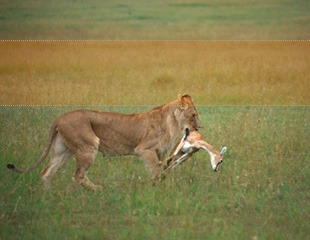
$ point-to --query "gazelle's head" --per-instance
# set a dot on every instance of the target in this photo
(217, 159)
(192, 141)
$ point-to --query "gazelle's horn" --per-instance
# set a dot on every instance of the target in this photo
(224, 149)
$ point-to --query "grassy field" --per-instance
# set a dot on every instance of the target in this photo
(260, 192)
(154, 72)
(161, 19)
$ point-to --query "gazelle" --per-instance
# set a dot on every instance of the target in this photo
(188, 145)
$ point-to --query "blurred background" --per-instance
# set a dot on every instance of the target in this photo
(161, 19)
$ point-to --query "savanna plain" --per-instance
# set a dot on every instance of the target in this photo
(261, 190)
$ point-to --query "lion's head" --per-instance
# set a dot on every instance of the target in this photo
(186, 113)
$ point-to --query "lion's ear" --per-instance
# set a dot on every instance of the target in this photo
(180, 98)
(182, 104)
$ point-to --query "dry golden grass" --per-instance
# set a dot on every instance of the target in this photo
(154, 72)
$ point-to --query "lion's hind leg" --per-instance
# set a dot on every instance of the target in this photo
(60, 156)
(84, 159)
(83, 162)
(84, 144)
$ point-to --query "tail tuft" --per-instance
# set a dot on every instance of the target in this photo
(10, 166)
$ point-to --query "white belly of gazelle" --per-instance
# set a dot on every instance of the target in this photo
(187, 147)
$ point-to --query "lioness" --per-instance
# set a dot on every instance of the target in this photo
(147, 135)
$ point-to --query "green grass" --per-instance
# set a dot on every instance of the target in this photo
(94, 19)
(260, 192)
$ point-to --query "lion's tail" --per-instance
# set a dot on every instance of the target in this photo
(51, 137)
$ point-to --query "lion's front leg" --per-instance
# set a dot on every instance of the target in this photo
(151, 160)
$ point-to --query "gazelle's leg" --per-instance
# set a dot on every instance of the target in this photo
(179, 147)
(167, 161)
(183, 158)
(175, 152)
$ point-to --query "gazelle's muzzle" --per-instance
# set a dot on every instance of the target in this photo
(217, 166)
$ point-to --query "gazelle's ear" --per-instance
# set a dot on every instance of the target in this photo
(224, 149)
(182, 104)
